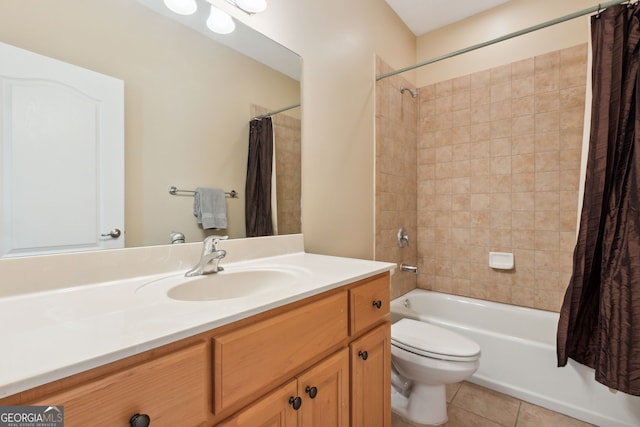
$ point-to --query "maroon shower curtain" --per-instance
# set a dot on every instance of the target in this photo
(599, 322)
(258, 219)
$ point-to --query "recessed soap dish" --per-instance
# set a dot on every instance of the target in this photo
(501, 260)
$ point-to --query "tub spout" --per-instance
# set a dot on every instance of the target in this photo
(409, 268)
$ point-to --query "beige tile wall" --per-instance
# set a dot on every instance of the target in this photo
(288, 173)
(396, 184)
(498, 170)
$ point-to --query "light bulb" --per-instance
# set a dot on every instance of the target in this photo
(220, 22)
(252, 6)
(182, 7)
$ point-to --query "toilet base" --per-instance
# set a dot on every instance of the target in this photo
(426, 404)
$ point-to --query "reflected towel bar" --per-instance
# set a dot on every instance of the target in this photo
(174, 191)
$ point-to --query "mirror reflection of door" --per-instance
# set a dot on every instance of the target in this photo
(62, 128)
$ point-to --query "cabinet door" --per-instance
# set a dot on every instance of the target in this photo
(325, 393)
(171, 389)
(371, 379)
(273, 410)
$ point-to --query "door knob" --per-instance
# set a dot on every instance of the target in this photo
(114, 234)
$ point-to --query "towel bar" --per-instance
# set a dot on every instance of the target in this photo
(174, 191)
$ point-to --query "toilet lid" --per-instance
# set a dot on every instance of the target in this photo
(433, 341)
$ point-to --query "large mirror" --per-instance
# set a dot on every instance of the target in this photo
(188, 102)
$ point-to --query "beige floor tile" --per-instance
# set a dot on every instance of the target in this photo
(489, 404)
(398, 421)
(470, 405)
(452, 389)
(459, 417)
(535, 416)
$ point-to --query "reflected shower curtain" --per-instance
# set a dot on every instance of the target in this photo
(258, 217)
(599, 322)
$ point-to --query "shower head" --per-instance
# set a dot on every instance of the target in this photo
(413, 92)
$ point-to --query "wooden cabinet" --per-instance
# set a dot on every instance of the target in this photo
(371, 379)
(355, 378)
(170, 389)
(325, 393)
(319, 397)
(370, 354)
(368, 303)
(273, 410)
(252, 372)
(253, 358)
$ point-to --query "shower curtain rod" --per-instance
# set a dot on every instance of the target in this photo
(271, 113)
(574, 15)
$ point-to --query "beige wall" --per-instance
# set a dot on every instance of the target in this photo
(187, 102)
(512, 16)
(338, 42)
(529, 207)
(500, 136)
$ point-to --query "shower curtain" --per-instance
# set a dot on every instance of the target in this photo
(258, 217)
(599, 322)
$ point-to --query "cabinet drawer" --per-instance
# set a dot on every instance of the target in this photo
(171, 389)
(257, 357)
(369, 303)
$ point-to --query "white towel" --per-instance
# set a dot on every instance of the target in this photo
(210, 207)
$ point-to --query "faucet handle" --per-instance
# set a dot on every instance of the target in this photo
(210, 243)
(217, 239)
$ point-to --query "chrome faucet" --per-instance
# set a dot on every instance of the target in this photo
(210, 258)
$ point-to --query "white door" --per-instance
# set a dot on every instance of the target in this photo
(61, 154)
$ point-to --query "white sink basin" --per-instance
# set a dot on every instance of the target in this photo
(227, 284)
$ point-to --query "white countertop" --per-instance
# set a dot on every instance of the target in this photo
(55, 333)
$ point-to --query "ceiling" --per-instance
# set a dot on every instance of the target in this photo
(422, 16)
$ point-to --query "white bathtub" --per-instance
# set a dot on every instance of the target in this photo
(519, 356)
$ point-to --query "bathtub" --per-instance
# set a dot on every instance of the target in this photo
(519, 356)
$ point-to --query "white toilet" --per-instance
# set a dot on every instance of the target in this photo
(425, 358)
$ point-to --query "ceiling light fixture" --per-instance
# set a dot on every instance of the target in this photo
(182, 7)
(220, 22)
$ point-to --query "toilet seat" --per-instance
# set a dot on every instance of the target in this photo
(433, 341)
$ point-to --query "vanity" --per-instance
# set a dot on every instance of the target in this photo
(312, 352)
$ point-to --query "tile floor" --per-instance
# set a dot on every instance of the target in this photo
(470, 405)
